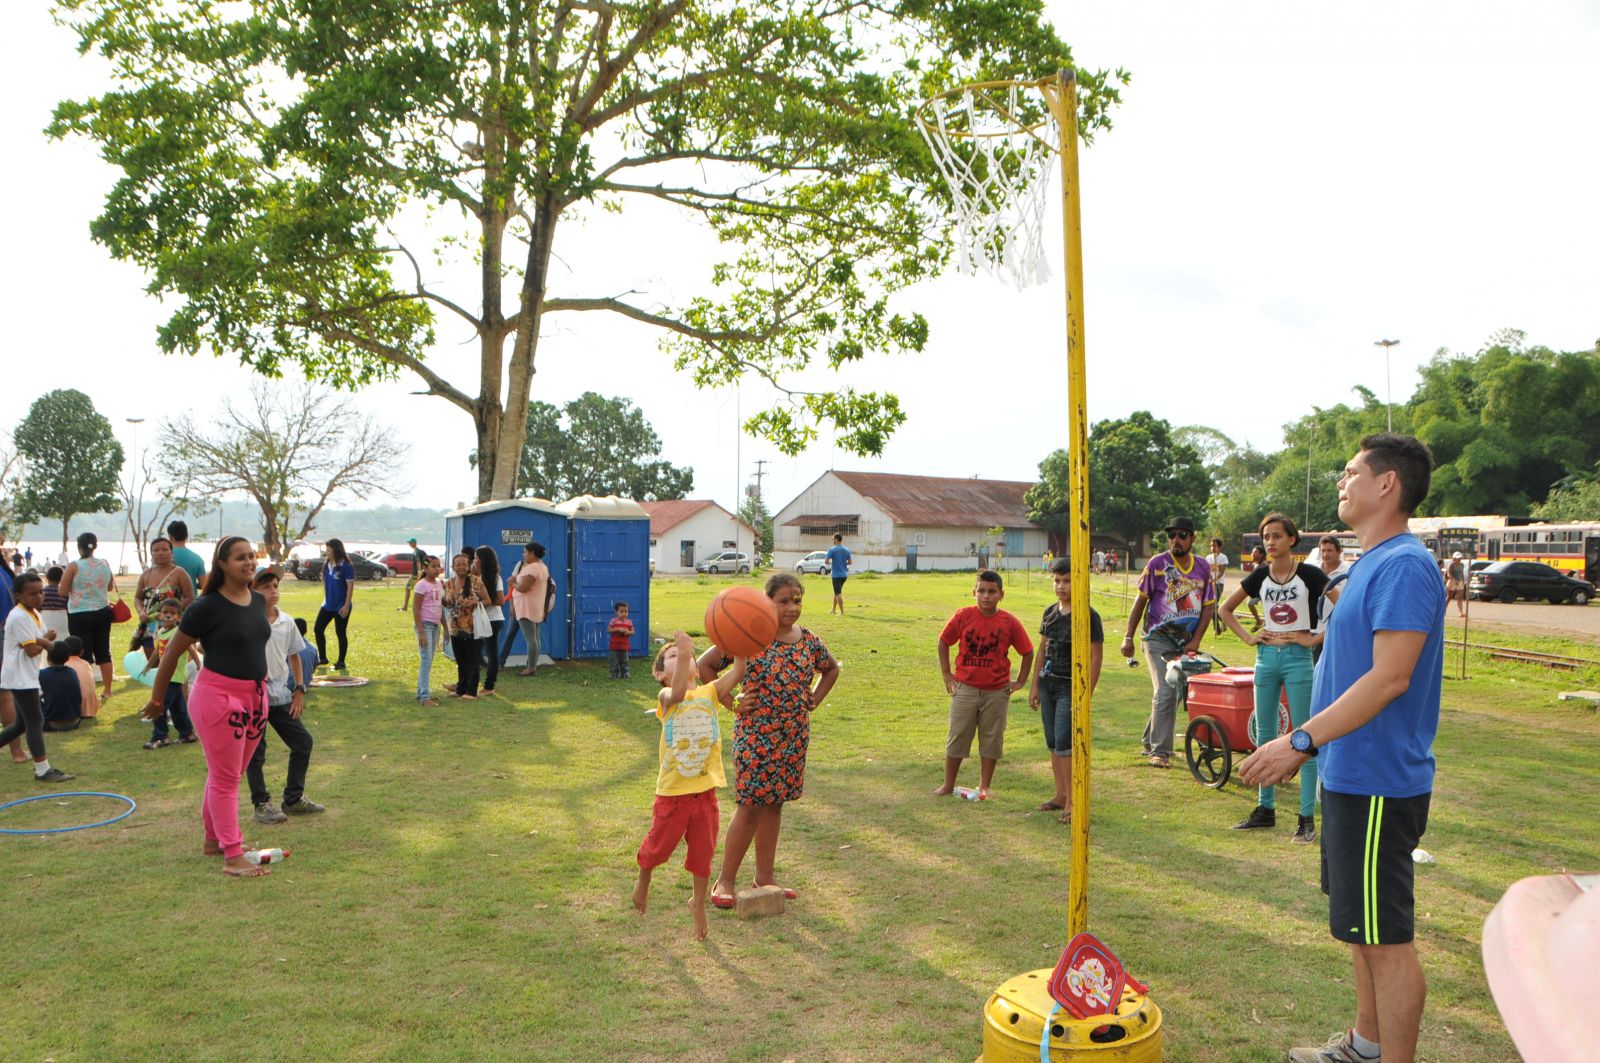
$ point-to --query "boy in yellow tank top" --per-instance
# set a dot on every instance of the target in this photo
(690, 754)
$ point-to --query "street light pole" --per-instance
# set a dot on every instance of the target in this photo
(135, 494)
(1388, 387)
(1310, 439)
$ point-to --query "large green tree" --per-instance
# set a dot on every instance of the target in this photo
(274, 154)
(72, 458)
(1506, 424)
(596, 446)
(1139, 475)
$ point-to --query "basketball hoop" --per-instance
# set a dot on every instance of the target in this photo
(994, 143)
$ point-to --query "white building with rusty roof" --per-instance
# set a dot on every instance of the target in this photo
(894, 523)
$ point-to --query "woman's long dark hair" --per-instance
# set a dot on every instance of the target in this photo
(337, 546)
(216, 577)
(489, 572)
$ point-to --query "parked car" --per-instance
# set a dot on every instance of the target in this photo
(815, 562)
(1506, 581)
(398, 562)
(366, 568)
(725, 561)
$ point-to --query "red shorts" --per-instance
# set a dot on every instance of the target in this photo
(691, 816)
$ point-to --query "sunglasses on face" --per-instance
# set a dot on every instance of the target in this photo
(1172, 534)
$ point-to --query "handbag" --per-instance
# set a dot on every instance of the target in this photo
(481, 627)
(120, 613)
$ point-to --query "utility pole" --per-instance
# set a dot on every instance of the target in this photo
(760, 472)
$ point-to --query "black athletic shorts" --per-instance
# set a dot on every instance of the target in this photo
(838, 584)
(1367, 871)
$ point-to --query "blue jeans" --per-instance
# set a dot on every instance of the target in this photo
(1055, 712)
(1280, 669)
(177, 709)
(426, 649)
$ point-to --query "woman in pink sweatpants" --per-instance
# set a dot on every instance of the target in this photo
(228, 705)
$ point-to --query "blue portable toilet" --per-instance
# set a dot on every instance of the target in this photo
(610, 554)
(508, 526)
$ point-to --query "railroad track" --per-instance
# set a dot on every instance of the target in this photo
(1549, 660)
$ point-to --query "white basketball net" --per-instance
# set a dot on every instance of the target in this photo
(998, 168)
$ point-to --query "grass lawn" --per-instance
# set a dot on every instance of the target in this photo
(466, 894)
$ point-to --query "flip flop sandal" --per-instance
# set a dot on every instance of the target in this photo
(253, 871)
(1160, 762)
(1049, 806)
(1065, 817)
(723, 901)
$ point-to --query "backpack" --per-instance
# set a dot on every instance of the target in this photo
(549, 596)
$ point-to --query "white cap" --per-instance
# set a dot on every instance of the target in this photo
(1456, 556)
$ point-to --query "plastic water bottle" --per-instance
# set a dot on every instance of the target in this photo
(265, 856)
(1421, 856)
(967, 793)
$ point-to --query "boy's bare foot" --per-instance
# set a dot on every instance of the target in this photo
(525, 671)
(467, 697)
(641, 891)
(698, 908)
(943, 791)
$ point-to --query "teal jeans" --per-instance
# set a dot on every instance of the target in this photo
(1280, 669)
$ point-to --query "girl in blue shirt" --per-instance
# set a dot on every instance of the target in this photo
(338, 595)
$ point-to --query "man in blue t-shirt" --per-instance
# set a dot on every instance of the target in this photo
(839, 568)
(1375, 710)
(185, 558)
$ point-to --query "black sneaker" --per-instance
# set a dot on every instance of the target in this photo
(54, 775)
(1306, 832)
(1258, 819)
(304, 807)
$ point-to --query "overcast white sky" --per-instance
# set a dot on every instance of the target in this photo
(1283, 183)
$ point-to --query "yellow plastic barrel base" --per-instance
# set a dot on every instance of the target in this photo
(1014, 1018)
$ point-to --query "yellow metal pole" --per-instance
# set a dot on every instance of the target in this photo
(1063, 97)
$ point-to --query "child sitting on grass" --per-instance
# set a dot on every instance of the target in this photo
(690, 770)
(981, 686)
(175, 704)
(58, 688)
(90, 700)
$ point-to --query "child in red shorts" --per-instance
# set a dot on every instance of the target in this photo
(690, 772)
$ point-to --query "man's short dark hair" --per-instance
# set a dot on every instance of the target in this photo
(57, 654)
(838, 537)
(618, 605)
(1334, 539)
(1408, 458)
(989, 575)
(54, 573)
(1061, 566)
(26, 580)
(179, 530)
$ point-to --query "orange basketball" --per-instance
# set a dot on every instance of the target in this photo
(742, 621)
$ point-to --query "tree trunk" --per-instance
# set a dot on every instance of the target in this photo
(513, 428)
(487, 423)
(64, 522)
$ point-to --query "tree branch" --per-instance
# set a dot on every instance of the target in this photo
(617, 306)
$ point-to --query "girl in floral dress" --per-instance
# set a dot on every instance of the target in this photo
(783, 685)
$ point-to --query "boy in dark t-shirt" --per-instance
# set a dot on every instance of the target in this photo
(1051, 692)
(981, 686)
(58, 686)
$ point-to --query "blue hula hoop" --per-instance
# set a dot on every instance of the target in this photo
(124, 814)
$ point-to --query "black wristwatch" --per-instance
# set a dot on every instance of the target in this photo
(1302, 743)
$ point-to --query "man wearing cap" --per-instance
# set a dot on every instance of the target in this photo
(1176, 599)
(1455, 582)
(419, 561)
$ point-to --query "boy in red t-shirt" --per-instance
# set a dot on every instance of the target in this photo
(981, 685)
(621, 629)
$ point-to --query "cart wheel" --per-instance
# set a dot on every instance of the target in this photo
(1205, 747)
